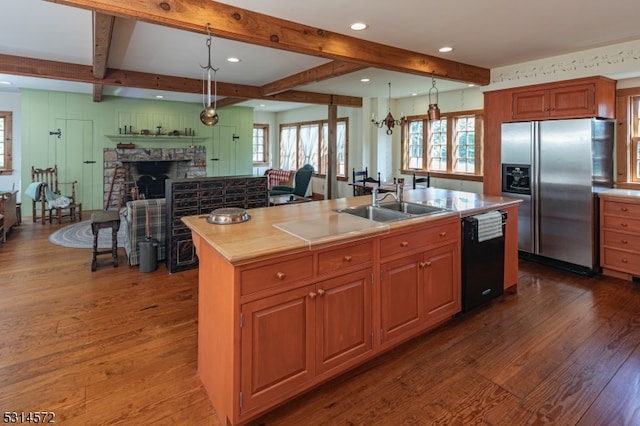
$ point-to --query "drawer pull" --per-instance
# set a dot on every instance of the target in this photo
(427, 263)
(347, 258)
(624, 209)
(404, 243)
(280, 275)
(624, 225)
(624, 242)
(320, 292)
(312, 295)
(443, 234)
(625, 261)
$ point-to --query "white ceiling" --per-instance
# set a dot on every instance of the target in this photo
(488, 33)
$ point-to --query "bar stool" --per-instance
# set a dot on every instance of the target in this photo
(103, 220)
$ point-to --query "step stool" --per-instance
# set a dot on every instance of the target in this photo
(103, 220)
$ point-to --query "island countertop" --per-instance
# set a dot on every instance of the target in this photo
(293, 228)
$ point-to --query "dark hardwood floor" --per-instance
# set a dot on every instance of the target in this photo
(117, 346)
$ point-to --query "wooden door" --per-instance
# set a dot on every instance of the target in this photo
(573, 101)
(223, 153)
(530, 104)
(401, 297)
(277, 346)
(441, 276)
(75, 159)
(343, 319)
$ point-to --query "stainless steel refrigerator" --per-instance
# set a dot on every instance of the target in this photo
(557, 167)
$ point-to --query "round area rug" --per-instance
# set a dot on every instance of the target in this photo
(78, 235)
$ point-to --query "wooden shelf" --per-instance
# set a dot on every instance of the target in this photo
(133, 136)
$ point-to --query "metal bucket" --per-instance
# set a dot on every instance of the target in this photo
(148, 255)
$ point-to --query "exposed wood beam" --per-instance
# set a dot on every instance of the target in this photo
(41, 68)
(312, 75)
(238, 24)
(102, 32)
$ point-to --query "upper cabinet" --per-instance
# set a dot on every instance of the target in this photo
(592, 97)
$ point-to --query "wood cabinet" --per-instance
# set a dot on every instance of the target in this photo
(9, 213)
(620, 236)
(592, 98)
(194, 196)
(270, 329)
(419, 281)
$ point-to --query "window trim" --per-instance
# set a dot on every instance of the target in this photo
(266, 159)
(8, 132)
(625, 158)
(449, 173)
(321, 143)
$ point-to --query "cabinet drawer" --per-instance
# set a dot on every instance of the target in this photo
(420, 238)
(277, 273)
(345, 256)
(622, 241)
(621, 224)
(621, 261)
(618, 208)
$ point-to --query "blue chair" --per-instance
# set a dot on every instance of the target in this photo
(300, 181)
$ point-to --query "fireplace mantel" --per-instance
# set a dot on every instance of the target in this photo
(152, 137)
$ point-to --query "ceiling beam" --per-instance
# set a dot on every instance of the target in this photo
(312, 75)
(102, 32)
(41, 68)
(238, 24)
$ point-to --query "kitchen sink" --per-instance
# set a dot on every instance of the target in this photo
(388, 212)
(411, 208)
(377, 214)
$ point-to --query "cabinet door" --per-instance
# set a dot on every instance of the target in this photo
(441, 274)
(401, 296)
(531, 104)
(573, 101)
(343, 319)
(277, 346)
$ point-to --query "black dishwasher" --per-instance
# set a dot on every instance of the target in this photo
(482, 258)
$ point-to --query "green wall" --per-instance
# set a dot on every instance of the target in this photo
(85, 125)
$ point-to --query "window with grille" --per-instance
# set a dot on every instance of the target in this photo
(5, 142)
(260, 144)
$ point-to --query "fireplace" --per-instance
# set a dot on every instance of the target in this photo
(148, 169)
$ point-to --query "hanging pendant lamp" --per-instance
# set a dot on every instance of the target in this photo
(434, 112)
(209, 116)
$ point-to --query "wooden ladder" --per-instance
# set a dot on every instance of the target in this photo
(125, 186)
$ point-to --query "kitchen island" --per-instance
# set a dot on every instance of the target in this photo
(301, 293)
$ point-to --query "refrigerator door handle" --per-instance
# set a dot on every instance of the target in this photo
(535, 188)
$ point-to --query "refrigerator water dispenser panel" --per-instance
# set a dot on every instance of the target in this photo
(515, 178)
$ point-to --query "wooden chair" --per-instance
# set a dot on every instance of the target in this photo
(417, 180)
(359, 178)
(368, 189)
(48, 188)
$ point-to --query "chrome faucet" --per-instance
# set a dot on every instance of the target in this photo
(375, 200)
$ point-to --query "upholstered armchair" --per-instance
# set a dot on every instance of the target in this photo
(300, 181)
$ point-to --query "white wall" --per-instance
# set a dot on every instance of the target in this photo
(11, 102)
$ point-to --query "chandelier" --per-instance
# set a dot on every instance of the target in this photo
(388, 121)
(209, 116)
(434, 112)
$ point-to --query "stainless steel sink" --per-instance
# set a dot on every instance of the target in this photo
(377, 214)
(388, 212)
(411, 208)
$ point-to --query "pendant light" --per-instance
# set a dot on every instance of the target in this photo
(389, 121)
(434, 112)
(209, 116)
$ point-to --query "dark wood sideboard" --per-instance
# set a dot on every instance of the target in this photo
(195, 196)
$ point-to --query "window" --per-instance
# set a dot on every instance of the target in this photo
(634, 146)
(308, 143)
(5, 142)
(260, 144)
(449, 145)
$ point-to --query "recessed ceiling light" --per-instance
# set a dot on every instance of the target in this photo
(414, 94)
(471, 85)
(358, 26)
(6, 83)
(234, 60)
(445, 49)
(365, 80)
(159, 97)
(262, 105)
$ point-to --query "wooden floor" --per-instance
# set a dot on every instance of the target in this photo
(117, 346)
